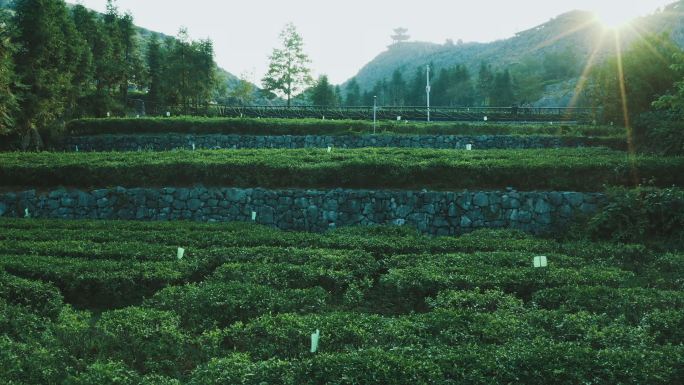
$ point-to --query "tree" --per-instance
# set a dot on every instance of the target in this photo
(156, 68)
(193, 70)
(485, 84)
(243, 91)
(338, 95)
(502, 92)
(8, 100)
(46, 65)
(674, 100)
(647, 74)
(124, 64)
(323, 94)
(397, 89)
(416, 95)
(288, 73)
(353, 93)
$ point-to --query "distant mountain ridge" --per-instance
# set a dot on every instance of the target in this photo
(576, 30)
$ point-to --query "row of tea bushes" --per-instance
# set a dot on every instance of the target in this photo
(412, 169)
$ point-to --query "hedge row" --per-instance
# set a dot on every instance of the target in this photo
(456, 346)
(286, 336)
(541, 362)
(98, 283)
(233, 239)
(393, 246)
(631, 303)
(558, 169)
(248, 126)
(392, 306)
(41, 297)
(208, 305)
(414, 284)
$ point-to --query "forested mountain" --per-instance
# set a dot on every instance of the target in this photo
(568, 40)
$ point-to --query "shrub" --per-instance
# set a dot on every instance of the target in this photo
(660, 132)
(666, 325)
(20, 323)
(363, 367)
(98, 283)
(640, 215)
(555, 169)
(247, 126)
(600, 331)
(475, 300)
(209, 305)
(43, 298)
(110, 373)
(239, 369)
(285, 275)
(410, 286)
(31, 362)
(632, 303)
(147, 340)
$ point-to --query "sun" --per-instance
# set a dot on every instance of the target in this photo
(614, 18)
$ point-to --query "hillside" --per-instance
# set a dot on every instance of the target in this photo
(578, 31)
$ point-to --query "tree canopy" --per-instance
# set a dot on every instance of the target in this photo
(288, 72)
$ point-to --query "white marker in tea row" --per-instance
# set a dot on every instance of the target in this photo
(315, 337)
(540, 261)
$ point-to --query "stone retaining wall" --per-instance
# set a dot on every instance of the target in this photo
(164, 142)
(438, 213)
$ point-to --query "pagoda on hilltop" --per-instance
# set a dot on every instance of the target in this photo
(400, 35)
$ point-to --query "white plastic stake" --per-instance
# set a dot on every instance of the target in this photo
(109, 114)
(181, 253)
(168, 114)
(193, 147)
(315, 337)
(254, 215)
(329, 148)
(76, 148)
(469, 147)
(26, 213)
(486, 118)
(398, 118)
(540, 261)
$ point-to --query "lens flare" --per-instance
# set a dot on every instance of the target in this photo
(613, 19)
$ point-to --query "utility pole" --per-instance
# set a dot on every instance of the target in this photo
(427, 90)
(375, 112)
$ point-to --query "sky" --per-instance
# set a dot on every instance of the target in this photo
(342, 36)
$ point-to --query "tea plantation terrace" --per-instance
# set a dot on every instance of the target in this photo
(198, 133)
(316, 190)
(164, 142)
(85, 300)
(586, 170)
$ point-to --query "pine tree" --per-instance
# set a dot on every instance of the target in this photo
(353, 94)
(397, 89)
(502, 92)
(485, 84)
(416, 95)
(323, 94)
(288, 72)
(156, 67)
(8, 100)
(45, 65)
(338, 96)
